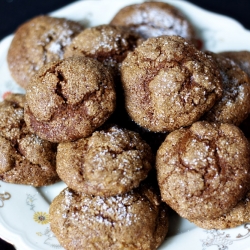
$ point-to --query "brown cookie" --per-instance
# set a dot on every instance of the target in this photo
(241, 58)
(175, 83)
(234, 105)
(107, 43)
(239, 215)
(109, 162)
(69, 99)
(24, 157)
(135, 220)
(37, 42)
(152, 19)
(203, 171)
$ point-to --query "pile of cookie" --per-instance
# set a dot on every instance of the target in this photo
(133, 117)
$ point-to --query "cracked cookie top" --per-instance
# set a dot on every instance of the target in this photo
(69, 99)
(109, 162)
(107, 43)
(135, 220)
(169, 84)
(203, 171)
(234, 105)
(25, 158)
(37, 42)
(152, 19)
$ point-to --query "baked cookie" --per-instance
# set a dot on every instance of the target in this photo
(152, 19)
(37, 42)
(239, 215)
(25, 158)
(109, 162)
(234, 105)
(203, 171)
(175, 83)
(241, 58)
(107, 43)
(69, 99)
(135, 220)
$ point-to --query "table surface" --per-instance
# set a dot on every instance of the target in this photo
(15, 12)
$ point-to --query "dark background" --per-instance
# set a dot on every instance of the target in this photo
(14, 12)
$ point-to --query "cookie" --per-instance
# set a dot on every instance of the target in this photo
(241, 58)
(37, 42)
(69, 99)
(25, 158)
(107, 43)
(203, 171)
(109, 162)
(234, 105)
(152, 19)
(239, 215)
(135, 220)
(175, 83)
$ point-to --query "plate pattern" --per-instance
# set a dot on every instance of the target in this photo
(222, 240)
(3, 197)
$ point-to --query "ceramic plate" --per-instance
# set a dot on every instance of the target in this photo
(24, 209)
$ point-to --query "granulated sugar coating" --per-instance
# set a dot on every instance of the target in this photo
(168, 83)
(203, 171)
(241, 58)
(152, 19)
(239, 215)
(107, 43)
(234, 105)
(109, 162)
(24, 157)
(69, 99)
(37, 42)
(135, 220)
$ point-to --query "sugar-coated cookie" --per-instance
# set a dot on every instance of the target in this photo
(69, 99)
(203, 171)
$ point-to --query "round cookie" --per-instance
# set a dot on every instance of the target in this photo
(175, 83)
(241, 58)
(25, 158)
(135, 220)
(234, 105)
(37, 42)
(69, 99)
(107, 43)
(203, 171)
(239, 215)
(109, 162)
(152, 19)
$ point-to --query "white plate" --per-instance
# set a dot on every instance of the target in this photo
(24, 209)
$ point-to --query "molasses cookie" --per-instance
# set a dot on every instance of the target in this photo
(175, 83)
(135, 220)
(107, 43)
(203, 171)
(239, 215)
(24, 157)
(234, 105)
(109, 162)
(241, 58)
(37, 42)
(69, 99)
(152, 19)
